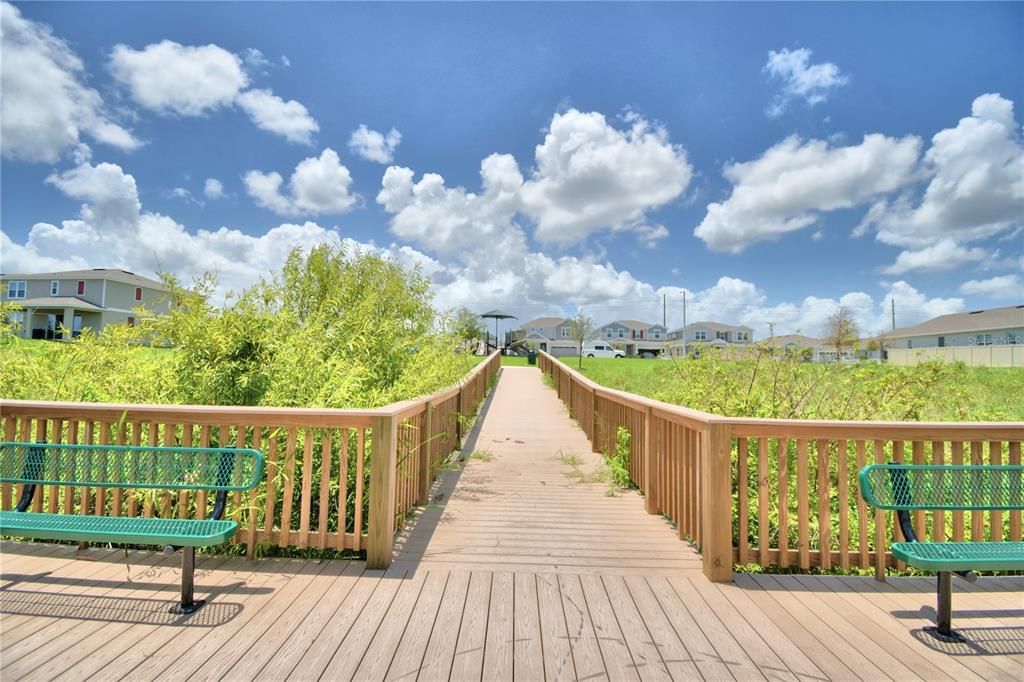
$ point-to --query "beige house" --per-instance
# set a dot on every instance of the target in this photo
(77, 299)
(692, 337)
(993, 337)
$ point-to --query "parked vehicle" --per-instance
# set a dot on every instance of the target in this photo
(602, 350)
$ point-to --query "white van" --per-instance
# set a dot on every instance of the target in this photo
(601, 350)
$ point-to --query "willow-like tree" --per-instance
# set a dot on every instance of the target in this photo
(581, 329)
(841, 331)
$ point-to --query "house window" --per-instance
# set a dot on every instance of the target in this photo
(700, 336)
(81, 287)
(743, 336)
(724, 336)
(942, 342)
(55, 287)
(131, 320)
(910, 343)
(657, 334)
(138, 293)
(608, 333)
(16, 289)
(565, 332)
(622, 333)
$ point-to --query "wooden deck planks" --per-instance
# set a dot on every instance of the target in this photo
(518, 572)
(149, 597)
(440, 652)
(500, 645)
(469, 649)
(528, 500)
(557, 652)
(408, 659)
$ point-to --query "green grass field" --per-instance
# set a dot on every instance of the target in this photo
(942, 393)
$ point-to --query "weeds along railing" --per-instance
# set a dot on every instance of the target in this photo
(321, 488)
(783, 493)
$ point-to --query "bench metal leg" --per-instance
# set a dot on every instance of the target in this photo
(944, 608)
(188, 569)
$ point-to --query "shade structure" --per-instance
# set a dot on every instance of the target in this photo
(497, 315)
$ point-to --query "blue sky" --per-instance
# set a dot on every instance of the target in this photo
(634, 150)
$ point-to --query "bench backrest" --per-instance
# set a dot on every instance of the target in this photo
(909, 487)
(125, 466)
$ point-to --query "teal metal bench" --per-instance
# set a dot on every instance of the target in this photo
(219, 470)
(908, 487)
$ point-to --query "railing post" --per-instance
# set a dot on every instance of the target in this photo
(716, 502)
(383, 459)
(650, 480)
(426, 442)
(458, 417)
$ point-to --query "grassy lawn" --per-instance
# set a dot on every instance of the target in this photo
(514, 361)
(942, 393)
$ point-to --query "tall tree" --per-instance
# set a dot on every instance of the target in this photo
(467, 325)
(841, 331)
(581, 329)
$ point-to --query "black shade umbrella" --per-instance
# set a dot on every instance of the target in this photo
(497, 315)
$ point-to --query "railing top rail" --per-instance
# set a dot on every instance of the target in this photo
(225, 414)
(667, 410)
(814, 428)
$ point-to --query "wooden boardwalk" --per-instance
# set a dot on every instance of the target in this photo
(519, 570)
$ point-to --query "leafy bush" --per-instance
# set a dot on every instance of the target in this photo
(332, 329)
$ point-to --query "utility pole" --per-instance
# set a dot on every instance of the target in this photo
(771, 330)
(664, 305)
(684, 324)
(893, 300)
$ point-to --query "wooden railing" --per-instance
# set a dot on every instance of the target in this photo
(322, 489)
(741, 489)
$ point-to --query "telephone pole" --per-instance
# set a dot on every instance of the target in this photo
(771, 330)
(684, 324)
(893, 300)
(664, 305)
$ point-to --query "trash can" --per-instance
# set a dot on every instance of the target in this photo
(531, 357)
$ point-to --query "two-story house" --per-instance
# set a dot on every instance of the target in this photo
(77, 299)
(635, 337)
(712, 334)
(549, 334)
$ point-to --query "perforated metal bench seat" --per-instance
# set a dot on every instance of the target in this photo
(117, 529)
(961, 556)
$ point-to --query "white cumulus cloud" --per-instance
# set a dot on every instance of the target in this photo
(291, 120)
(188, 80)
(812, 83)
(170, 78)
(975, 184)
(943, 255)
(373, 145)
(318, 185)
(213, 188)
(590, 176)
(46, 106)
(792, 183)
(1004, 287)
(451, 221)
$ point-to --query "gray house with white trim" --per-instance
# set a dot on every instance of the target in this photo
(77, 299)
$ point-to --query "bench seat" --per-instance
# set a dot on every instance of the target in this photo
(961, 556)
(117, 529)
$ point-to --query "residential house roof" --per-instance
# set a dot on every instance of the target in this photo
(111, 274)
(1007, 317)
(715, 326)
(633, 324)
(543, 322)
(792, 339)
(56, 302)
